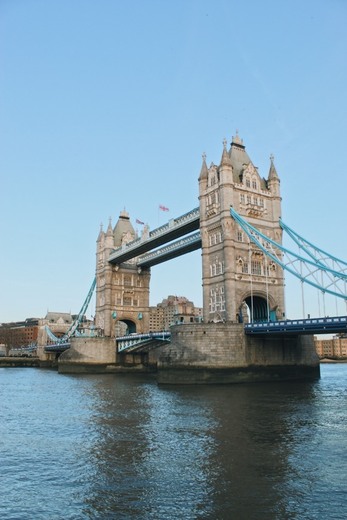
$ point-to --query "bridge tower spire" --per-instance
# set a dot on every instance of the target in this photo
(234, 272)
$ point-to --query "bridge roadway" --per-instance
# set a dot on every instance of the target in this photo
(142, 342)
(305, 326)
(170, 231)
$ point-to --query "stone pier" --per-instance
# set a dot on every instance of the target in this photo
(220, 353)
(88, 355)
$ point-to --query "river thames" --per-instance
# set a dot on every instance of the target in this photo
(122, 447)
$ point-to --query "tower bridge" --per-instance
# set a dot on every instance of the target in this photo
(244, 334)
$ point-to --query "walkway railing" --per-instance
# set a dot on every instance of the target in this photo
(131, 340)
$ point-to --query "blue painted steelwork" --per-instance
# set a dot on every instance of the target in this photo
(72, 331)
(305, 326)
(58, 347)
(173, 229)
(136, 342)
(173, 250)
(317, 254)
(317, 274)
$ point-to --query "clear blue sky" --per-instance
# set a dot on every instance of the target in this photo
(109, 104)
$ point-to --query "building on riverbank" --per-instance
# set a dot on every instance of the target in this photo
(173, 310)
(333, 348)
(19, 333)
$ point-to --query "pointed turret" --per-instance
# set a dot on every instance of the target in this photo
(225, 170)
(272, 172)
(225, 161)
(101, 234)
(273, 184)
(204, 169)
(109, 235)
(109, 228)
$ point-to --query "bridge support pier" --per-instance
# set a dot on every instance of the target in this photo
(220, 353)
(88, 355)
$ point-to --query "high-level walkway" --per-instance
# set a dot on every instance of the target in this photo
(170, 231)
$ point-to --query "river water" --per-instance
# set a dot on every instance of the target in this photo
(121, 447)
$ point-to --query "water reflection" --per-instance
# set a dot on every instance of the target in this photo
(120, 447)
(199, 452)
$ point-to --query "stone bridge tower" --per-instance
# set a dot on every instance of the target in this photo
(234, 271)
(122, 291)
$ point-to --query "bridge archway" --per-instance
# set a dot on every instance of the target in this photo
(260, 308)
(125, 326)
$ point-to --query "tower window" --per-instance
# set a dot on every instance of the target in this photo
(256, 267)
(245, 267)
(127, 281)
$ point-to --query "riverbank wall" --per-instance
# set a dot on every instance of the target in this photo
(33, 361)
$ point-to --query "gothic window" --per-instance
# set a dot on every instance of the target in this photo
(239, 236)
(214, 237)
(254, 184)
(256, 267)
(248, 183)
(212, 301)
(242, 198)
(245, 267)
(249, 200)
(127, 300)
(217, 300)
(127, 281)
(135, 302)
(256, 201)
(261, 202)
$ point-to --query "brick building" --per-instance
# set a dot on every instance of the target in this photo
(19, 333)
(173, 310)
(334, 348)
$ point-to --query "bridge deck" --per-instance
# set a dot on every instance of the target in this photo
(142, 342)
(305, 326)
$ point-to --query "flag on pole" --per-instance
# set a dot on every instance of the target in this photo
(163, 208)
(140, 222)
